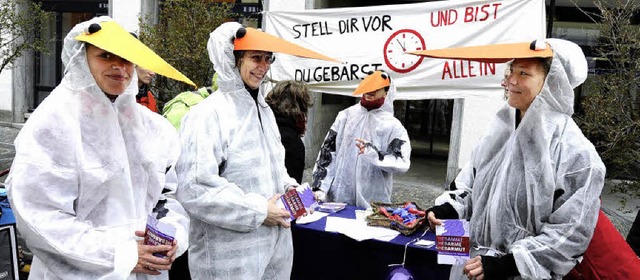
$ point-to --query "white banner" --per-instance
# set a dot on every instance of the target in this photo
(376, 37)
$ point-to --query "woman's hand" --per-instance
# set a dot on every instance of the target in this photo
(276, 216)
(433, 221)
(320, 196)
(473, 268)
(150, 264)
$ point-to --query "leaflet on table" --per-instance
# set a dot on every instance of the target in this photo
(331, 207)
(452, 242)
(158, 233)
(298, 201)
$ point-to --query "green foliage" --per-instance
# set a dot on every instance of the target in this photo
(20, 22)
(611, 110)
(180, 37)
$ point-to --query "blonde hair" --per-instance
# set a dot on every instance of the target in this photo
(289, 99)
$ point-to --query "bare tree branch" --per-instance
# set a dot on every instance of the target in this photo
(20, 21)
(610, 117)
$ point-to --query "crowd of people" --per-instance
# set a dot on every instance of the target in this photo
(92, 165)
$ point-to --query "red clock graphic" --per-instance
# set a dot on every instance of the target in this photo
(404, 40)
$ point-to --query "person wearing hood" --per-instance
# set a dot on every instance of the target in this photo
(531, 187)
(90, 166)
(365, 146)
(290, 102)
(231, 169)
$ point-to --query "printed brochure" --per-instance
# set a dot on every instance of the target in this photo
(298, 201)
(452, 242)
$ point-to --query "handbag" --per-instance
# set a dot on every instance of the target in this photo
(608, 255)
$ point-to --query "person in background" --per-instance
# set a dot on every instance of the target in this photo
(91, 164)
(365, 146)
(145, 96)
(231, 169)
(531, 187)
(290, 102)
(503, 83)
(180, 104)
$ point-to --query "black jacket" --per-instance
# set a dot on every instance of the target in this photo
(293, 146)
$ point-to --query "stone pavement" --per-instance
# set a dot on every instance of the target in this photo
(7, 134)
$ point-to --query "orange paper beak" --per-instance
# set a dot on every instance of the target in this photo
(498, 53)
(260, 41)
(373, 82)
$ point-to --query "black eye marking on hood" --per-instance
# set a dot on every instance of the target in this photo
(325, 158)
(394, 148)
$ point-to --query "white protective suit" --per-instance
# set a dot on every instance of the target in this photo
(533, 190)
(231, 163)
(356, 179)
(86, 175)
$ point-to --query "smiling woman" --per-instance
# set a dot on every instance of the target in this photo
(231, 168)
(538, 162)
(525, 80)
(111, 72)
(91, 166)
(253, 66)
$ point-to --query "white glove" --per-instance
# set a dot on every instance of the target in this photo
(320, 195)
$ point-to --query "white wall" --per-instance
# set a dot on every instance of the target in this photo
(284, 5)
(6, 90)
(126, 13)
(478, 114)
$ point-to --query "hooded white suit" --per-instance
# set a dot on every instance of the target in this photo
(232, 162)
(356, 179)
(533, 190)
(86, 174)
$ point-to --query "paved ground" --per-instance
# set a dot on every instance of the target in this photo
(7, 135)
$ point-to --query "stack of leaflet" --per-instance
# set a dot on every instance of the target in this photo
(331, 207)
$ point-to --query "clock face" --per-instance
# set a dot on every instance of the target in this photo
(404, 40)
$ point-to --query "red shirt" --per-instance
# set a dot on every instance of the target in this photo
(148, 101)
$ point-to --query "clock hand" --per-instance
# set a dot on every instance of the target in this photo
(401, 45)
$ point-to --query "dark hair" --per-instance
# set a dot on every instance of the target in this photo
(545, 62)
(237, 55)
(290, 99)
